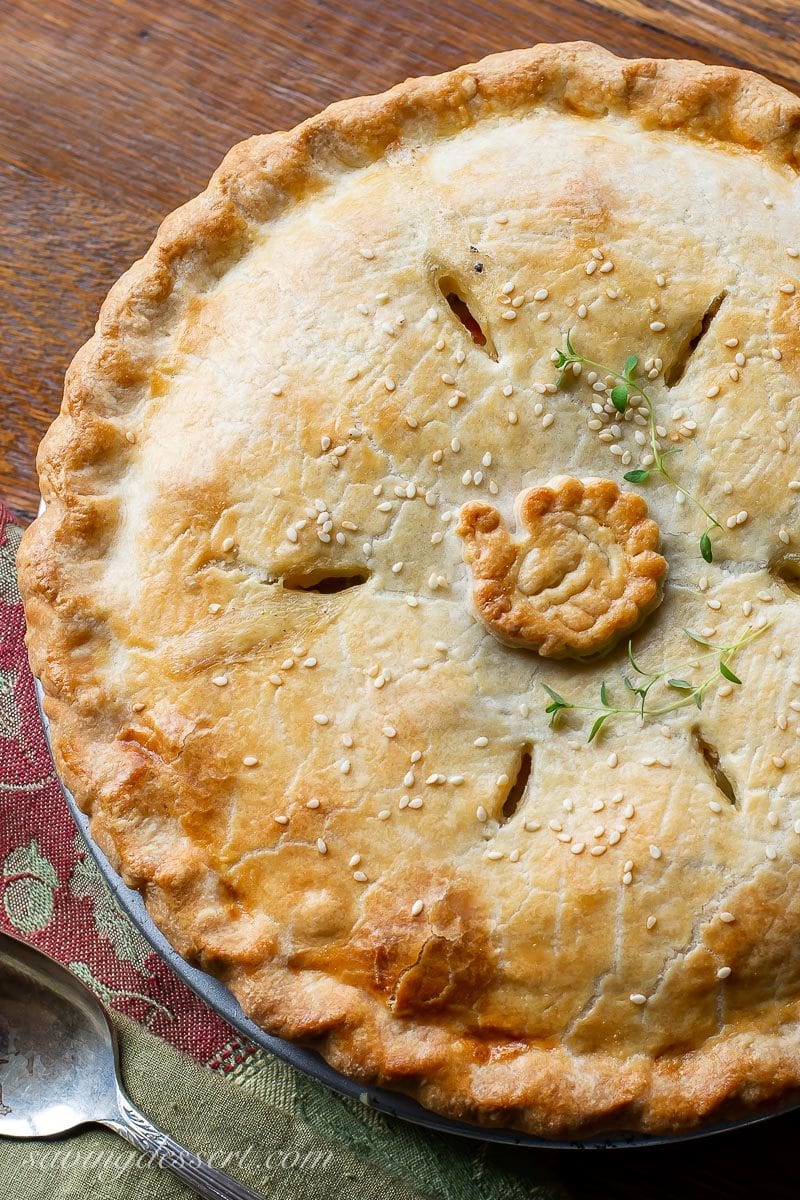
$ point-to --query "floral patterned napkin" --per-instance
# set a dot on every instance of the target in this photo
(52, 892)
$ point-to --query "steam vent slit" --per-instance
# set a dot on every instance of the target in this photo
(711, 758)
(520, 783)
(326, 582)
(786, 567)
(465, 313)
(676, 371)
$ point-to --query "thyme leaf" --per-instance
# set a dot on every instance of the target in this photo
(568, 359)
(641, 685)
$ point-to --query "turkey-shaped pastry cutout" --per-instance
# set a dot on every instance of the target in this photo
(584, 570)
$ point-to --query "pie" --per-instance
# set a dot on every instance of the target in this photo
(416, 600)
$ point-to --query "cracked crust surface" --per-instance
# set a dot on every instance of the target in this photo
(314, 787)
(585, 570)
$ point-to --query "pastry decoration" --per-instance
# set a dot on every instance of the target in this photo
(585, 570)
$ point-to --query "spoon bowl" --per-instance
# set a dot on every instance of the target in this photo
(59, 1068)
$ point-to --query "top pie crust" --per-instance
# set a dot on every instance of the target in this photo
(313, 787)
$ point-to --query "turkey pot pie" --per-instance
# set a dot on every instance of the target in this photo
(250, 598)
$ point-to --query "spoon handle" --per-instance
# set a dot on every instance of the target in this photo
(135, 1127)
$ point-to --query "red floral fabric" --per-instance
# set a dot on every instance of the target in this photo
(51, 892)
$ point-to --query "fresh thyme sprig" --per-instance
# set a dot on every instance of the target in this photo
(620, 396)
(640, 687)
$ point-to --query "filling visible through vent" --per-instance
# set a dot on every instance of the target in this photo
(676, 371)
(461, 310)
(711, 757)
(786, 567)
(325, 581)
(517, 789)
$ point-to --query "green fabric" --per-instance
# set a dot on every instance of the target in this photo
(342, 1149)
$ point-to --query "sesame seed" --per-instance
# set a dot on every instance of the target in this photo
(314, 803)
(578, 847)
(778, 761)
(310, 662)
(651, 922)
(359, 877)
(214, 608)
(219, 680)
(657, 326)
(727, 918)
(723, 973)
(655, 852)
(494, 855)
(250, 760)
(788, 289)
(637, 998)
(417, 802)
(275, 680)
(281, 820)
(590, 267)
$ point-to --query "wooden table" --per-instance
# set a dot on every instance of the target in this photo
(113, 113)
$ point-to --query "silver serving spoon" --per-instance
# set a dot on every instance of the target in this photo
(59, 1068)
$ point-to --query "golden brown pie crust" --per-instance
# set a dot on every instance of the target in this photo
(265, 403)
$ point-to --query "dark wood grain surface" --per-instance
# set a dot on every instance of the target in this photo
(113, 113)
